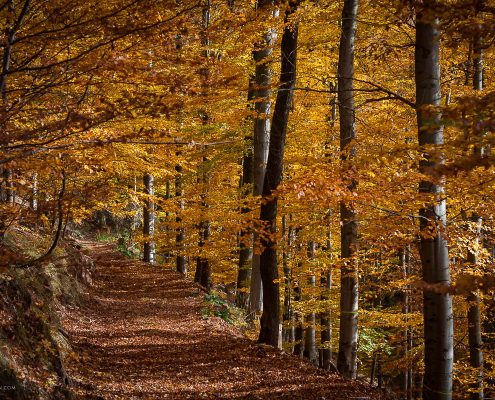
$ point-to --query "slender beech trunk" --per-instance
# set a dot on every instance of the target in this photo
(310, 332)
(474, 315)
(180, 237)
(245, 236)
(437, 307)
(474, 324)
(299, 321)
(167, 255)
(203, 267)
(270, 319)
(262, 103)
(148, 219)
(326, 316)
(348, 338)
(33, 203)
(288, 316)
(404, 259)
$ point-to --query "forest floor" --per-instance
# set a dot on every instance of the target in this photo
(140, 335)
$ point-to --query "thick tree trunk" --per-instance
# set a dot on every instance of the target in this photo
(148, 219)
(262, 104)
(437, 307)
(310, 332)
(347, 357)
(270, 319)
(180, 237)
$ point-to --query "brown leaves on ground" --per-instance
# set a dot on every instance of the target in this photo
(141, 336)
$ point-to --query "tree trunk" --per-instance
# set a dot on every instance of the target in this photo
(288, 316)
(404, 259)
(148, 220)
(347, 357)
(270, 319)
(262, 82)
(310, 332)
(180, 232)
(245, 236)
(437, 307)
(299, 322)
(474, 317)
(203, 267)
(326, 316)
(474, 324)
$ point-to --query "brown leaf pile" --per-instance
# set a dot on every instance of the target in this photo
(141, 336)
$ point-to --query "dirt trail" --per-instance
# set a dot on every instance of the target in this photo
(141, 336)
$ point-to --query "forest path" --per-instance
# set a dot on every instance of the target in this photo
(140, 335)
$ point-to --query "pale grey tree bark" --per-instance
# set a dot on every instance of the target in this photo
(348, 333)
(437, 307)
(261, 97)
(148, 219)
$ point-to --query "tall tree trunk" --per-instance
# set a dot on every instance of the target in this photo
(288, 316)
(270, 319)
(203, 267)
(245, 236)
(347, 357)
(404, 259)
(437, 307)
(326, 316)
(148, 219)
(262, 104)
(474, 315)
(474, 324)
(310, 332)
(180, 260)
(299, 321)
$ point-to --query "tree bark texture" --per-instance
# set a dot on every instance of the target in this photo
(270, 319)
(148, 219)
(437, 307)
(262, 105)
(348, 334)
(245, 235)
(180, 236)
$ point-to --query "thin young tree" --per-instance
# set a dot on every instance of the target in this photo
(148, 219)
